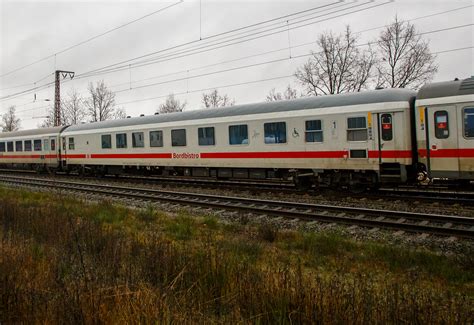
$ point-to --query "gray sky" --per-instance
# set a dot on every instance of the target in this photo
(32, 30)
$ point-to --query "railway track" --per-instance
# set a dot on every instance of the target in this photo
(444, 225)
(440, 195)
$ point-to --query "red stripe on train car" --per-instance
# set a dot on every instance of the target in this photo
(391, 154)
(273, 155)
(129, 156)
(28, 156)
(448, 153)
(75, 156)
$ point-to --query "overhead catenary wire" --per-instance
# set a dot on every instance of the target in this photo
(427, 33)
(79, 76)
(221, 86)
(421, 17)
(237, 29)
(220, 42)
(89, 39)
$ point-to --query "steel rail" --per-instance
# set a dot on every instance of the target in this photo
(375, 218)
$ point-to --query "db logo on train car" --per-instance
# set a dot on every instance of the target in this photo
(185, 155)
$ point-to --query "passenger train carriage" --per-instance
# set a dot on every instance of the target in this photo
(445, 129)
(350, 140)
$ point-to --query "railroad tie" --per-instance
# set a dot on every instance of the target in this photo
(447, 225)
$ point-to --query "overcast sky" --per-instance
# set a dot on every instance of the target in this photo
(33, 30)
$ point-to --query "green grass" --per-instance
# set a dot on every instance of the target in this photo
(78, 262)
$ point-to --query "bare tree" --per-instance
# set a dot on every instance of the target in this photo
(171, 105)
(10, 122)
(72, 109)
(101, 105)
(406, 58)
(49, 120)
(120, 113)
(289, 93)
(213, 100)
(341, 66)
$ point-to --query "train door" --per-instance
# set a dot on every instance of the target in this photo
(390, 143)
(53, 157)
(442, 158)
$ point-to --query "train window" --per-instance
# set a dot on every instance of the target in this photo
(72, 145)
(138, 140)
(358, 153)
(206, 136)
(314, 131)
(28, 145)
(106, 140)
(275, 132)
(156, 138)
(46, 144)
(238, 134)
(441, 124)
(387, 127)
(469, 122)
(2, 146)
(10, 146)
(19, 146)
(357, 129)
(37, 145)
(178, 138)
(121, 140)
(53, 144)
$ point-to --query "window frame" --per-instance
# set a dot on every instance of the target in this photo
(36, 141)
(357, 129)
(464, 123)
(28, 148)
(265, 135)
(21, 146)
(204, 128)
(71, 144)
(161, 137)
(102, 141)
(3, 146)
(135, 145)
(125, 145)
(12, 146)
(247, 133)
(307, 132)
(185, 138)
(46, 145)
(382, 129)
(435, 122)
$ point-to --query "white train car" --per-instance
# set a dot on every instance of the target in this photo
(31, 149)
(339, 140)
(445, 129)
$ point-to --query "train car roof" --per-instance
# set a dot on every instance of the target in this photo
(447, 89)
(32, 132)
(365, 97)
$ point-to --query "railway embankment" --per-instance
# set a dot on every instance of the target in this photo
(68, 260)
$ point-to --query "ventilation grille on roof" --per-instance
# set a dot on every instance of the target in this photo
(467, 84)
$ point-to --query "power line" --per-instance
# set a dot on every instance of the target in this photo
(90, 39)
(79, 76)
(262, 63)
(227, 85)
(219, 42)
(449, 28)
(206, 89)
(215, 35)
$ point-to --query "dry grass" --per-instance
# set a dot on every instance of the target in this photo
(64, 261)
